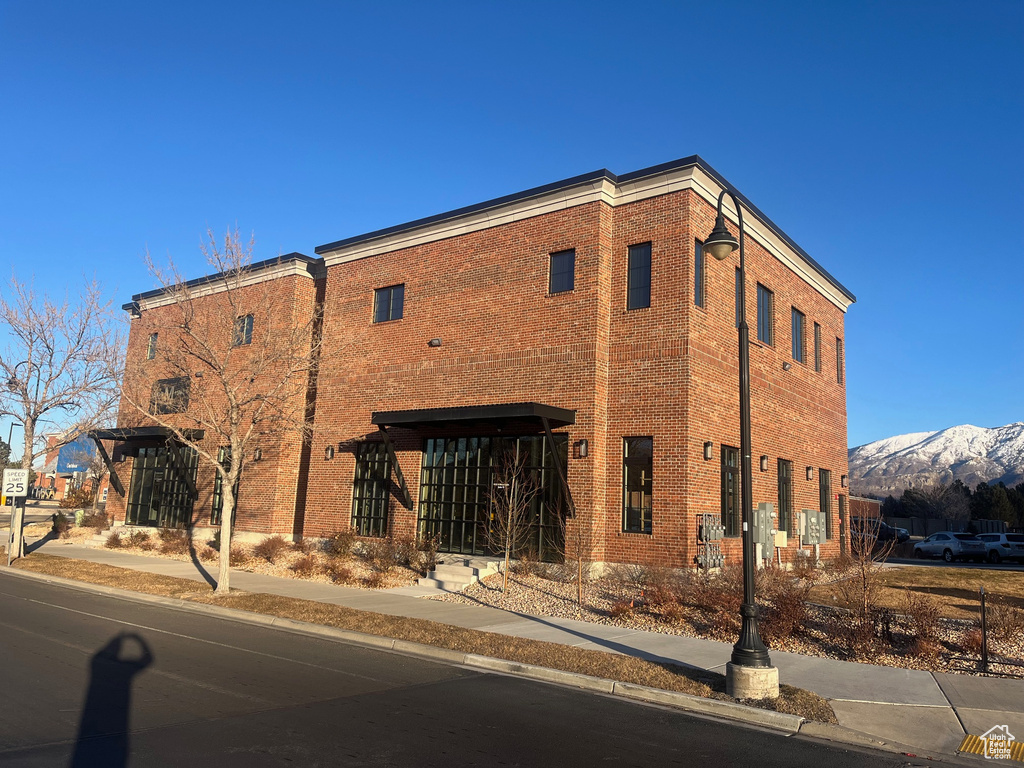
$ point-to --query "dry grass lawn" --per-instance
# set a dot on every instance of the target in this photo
(956, 588)
(627, 669)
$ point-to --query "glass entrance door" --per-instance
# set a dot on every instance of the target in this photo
(158, 495)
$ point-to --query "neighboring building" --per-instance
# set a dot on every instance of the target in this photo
(67, 466)
(578, 315)
(862, 507)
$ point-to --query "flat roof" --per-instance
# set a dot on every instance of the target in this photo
(505, 414)
(586, 178)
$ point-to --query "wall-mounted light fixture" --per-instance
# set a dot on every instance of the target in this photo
(842, 481)
(764, 463)
(708, 450)
(580, 449)
(810, 473)
(257, 455)
(434, 343)
(328, 453)
(786, 366)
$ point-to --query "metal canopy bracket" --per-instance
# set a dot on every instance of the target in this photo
(558, 466)
(179, 464)
(406, 496)
(111, 472)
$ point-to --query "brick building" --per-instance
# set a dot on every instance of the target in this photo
(576, 324)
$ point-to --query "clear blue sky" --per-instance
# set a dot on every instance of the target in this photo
(884, 137)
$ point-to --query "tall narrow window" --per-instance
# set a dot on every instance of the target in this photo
(388, 303)
(370, 490)
(731, 491)
(637, 469)
(638, 292)
(224, 458)
(242, 332)
(817, 348)
(839, 360)
(562, 272)
(739, 291)
(798, 335)
(786, 521)
(151, 349)
(765, 309)
(825, 499)
(698, 273)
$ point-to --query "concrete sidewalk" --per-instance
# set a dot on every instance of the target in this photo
(929, 711)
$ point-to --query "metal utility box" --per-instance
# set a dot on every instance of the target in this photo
(813, 531)
(764, 527)
(711, 528)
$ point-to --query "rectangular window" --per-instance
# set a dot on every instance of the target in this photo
(786, 521)
(731, 491)
(562, 272)
(638, 292)
(170, 396)
(739, 299)
(370, 490)
(798, 335)
(825, 499)
(817, 348)
(765, 310)
(151, 350)
(242, 333)
(388, 303)
(637, 469)
(839, 360)
(224, 458)
(698, 273)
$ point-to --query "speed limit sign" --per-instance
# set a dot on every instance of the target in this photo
(15, 482)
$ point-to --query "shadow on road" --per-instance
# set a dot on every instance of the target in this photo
(30, 548)
(103, 730)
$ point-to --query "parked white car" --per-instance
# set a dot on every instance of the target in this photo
(1003, 546)
(952, 546)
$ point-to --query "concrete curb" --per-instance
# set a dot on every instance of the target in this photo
(763, 718)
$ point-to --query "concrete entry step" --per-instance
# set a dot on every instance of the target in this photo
(455, 572)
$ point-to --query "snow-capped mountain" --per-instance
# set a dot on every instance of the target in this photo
(966, 453)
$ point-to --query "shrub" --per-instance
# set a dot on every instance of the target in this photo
(1004, 622)
(526, 564)
(922, 613)
(428, 546)
(113, 541)
(340, 543)
(77, 498)
(306, 566)
(139, 540)
(238, 556)
(303, 546)
(972, 642)
(215, 541)
(205, 554)
(374, 579)
(805, 568)
(173, 542)
(338, 572)
(622, 609)
(406, 551)
(271, 548)
(674, 612)
(925, 647)
(95, 520)
(381, 554)
(61, 525)
(783, 606)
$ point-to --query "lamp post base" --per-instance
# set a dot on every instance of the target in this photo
(751, 682)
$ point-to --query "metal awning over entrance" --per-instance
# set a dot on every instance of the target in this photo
(144, 436)
(524, 417)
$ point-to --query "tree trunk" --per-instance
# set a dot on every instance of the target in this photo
(226, 513)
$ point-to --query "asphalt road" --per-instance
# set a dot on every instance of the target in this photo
(88, 680)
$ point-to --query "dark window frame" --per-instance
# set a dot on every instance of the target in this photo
(787, 520)
(170, 395)
(371, 485)
(151, 348)
(798, 329)
(639, 276)
(839, 360)
(241, 333)
(732, 515)
(817, 348)
(699, 287)
(217, 505)
(389, 303)
(638, 519)
(765, 315)
(825, 498)
(561, 280)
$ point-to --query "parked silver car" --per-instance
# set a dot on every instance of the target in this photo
(952, 546)
(1003, 546)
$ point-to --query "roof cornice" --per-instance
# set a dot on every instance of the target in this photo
(598, 186)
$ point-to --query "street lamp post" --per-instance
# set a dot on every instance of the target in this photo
(750, 674)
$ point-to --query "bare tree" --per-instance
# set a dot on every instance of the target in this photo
(513, 489)
(578, 543)
(237, 356)
(60, 366)
(860, 580)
